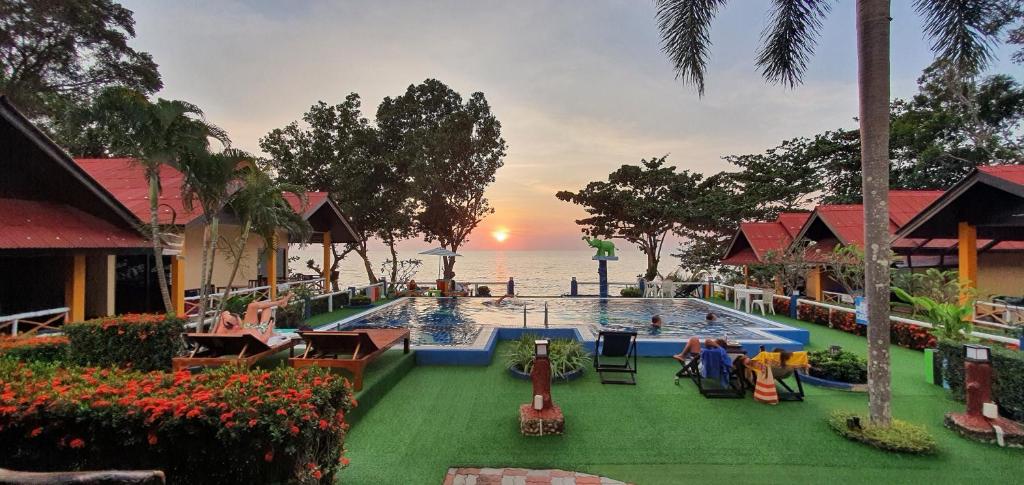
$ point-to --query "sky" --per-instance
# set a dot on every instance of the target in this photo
(580, 87)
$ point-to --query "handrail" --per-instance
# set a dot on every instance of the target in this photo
(15, 320)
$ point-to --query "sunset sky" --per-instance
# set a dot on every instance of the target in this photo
(580, 87)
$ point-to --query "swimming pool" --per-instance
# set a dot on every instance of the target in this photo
(460, 321)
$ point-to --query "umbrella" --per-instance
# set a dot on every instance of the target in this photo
(440, 253)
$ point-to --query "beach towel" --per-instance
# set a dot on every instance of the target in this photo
(715, 364)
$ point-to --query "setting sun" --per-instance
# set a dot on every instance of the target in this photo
(500, 235)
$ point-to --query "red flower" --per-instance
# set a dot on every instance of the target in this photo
(268, 456)
(36, 432)
(282, 412)
(252, 422)
(324, 424)
(192, 413)
(343, 461)
(77, 443)
(316, 474)
(151, 438)
(294, 430)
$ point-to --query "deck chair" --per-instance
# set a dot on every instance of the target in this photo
(791, 371)
(614, 356)
(212, 350)
(710, 386)
(351, 350)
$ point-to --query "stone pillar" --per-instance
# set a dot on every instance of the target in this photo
(602, 277)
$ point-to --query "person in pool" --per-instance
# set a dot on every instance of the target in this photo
(710, 317)
(656, 322)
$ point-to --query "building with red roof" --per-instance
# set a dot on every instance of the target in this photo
(755, 240)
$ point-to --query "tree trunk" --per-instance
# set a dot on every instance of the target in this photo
(158, 249)
(873, 83)
(449, 264)
(209, 241)
(243, 240)
(394, 264)
(363, 253)
(652, 262)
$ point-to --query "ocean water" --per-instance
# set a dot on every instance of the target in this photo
(536, 273)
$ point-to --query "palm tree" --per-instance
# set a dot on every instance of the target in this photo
(209, 180)
(261, 208)
(155, 134)
(961, 33)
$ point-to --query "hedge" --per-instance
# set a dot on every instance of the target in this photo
(219, 426)
(34, 349)
(140, 341)
(902, 334)
(1008, 376)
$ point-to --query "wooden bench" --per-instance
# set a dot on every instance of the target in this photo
(352, 350)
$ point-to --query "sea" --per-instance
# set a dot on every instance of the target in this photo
(536, 272)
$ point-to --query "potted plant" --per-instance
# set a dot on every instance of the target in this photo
(568, 359)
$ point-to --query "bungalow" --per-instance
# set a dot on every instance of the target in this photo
(756, 240)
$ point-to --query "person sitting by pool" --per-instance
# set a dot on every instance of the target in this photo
(258, 320)
(693, 348)
(656, 322)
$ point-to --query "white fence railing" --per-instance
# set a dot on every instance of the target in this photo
(834, 308)
(33, 322)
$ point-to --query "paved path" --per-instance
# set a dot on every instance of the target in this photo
(522, 476)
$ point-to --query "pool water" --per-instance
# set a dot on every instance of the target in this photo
(458, 321)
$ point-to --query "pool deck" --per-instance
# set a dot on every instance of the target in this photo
(481, 351)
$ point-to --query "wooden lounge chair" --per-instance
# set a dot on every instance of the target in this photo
(614, 356)
(352, 350)
(212, 350)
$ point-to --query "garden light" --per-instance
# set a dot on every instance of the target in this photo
(977, 353)
(541, 348)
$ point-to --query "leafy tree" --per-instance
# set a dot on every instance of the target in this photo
(54, 54)
(454, 147)
(339, 152)
(846, 266)
(640, 204)
(209, 180)
(262, 209)
(961, 33)
(155, 133)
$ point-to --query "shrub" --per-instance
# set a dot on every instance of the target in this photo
(220, 426)
(359, 300)
(483, 291)
(566, 355)
(1008, 376)
(842, 367)
(901, 437)
(291, 316)
(34, 349)
(781, 306)
(905, 335)
(631, 292)
(141, 341)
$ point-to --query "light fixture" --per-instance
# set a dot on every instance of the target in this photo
(977, 353)
(541, 348)
(834, 350)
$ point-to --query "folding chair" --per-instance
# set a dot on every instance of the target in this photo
(614, 356)
(710, 386)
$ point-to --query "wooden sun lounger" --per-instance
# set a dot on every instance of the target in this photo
(352, 350)
(214, 350)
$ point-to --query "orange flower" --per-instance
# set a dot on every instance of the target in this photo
(151, 438)
(77, 443)
(294, 430)
(36, 432)
(316, 474)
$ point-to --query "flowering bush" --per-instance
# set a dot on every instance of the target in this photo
(902, 334)
(40, 349)
(140, 341)
(220, 426)
(781, 306)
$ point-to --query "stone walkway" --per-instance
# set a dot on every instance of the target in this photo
(521, 476)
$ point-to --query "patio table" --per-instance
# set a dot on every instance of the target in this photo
(746, 294)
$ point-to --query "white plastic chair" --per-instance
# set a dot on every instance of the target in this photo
(668, 289)
(652, 288)
(767, 299)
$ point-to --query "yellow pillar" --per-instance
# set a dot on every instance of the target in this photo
(74, 289)
(327, 261)
(967, 247)
(178, 284)
(272, 267)
(814, 288)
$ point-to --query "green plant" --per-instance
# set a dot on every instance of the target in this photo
(631, 292)
(237, 303)
(140, 341)
(34, 349)
(900, 436)
(842, 367)
(483, 291)
(846, 266)
(951, 320)
(566, 355)
(359, 300)
(281, 426)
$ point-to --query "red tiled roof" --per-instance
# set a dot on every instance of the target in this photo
(1012, 173)
(126, 181)
(847, 220)
(905, 204)
(32, 224)
(741, 257)
(313, 202)
(756, 239)
(793, 221)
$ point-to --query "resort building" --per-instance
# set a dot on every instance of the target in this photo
(755, 241)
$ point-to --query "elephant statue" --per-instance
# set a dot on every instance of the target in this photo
(604, 248)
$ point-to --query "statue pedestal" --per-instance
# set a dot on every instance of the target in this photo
(540, 423)
(602, 273)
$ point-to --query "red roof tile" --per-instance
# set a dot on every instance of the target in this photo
(313, 202)
(756, 239)
(793, 221)
(741, 257)
(847, 220)
(1012, 173)
(32, 224)
(126, 181)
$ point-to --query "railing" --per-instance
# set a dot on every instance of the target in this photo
(997, 315)
(836, 297)
(834, 308)
(37, 320)
(330, 298)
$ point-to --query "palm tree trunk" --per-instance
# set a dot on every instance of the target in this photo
(243, 240)
(209, 236)
(873, 82)
(158, 249)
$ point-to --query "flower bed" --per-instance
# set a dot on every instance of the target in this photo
(37, 349)
(140, 341)
(902, 334)
(220, 426)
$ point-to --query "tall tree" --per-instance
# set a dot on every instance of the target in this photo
(456, 148)
(639, 203)
(961, 34)
(54, 54)
(209, 181)
(155, 134)
(340, 152)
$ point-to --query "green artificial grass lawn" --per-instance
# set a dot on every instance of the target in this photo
(657, 432)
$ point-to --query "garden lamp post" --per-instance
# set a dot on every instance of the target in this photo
(541, 416)
(981, 421)
(541, 376)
